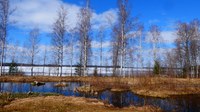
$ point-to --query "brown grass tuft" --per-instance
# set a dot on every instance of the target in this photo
(67, 104)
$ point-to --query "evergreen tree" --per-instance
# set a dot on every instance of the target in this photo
(156, 68)
(95, 73)
(13, 68)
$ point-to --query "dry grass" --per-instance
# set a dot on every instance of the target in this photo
(61, 84)
(146, 85)
(165, 87)
(6, 98)
(111, 83)
(90, 90)
(67, 104)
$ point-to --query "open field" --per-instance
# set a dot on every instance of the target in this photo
(148, 86)
(60, 103)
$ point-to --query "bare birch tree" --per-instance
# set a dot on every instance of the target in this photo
(85, 37)
(195, 47)
(59, 37)
(73, 40)
(187, 45)
(183, 40)
(139, 34)
(4, 16)
(33, 42)
(115, 49)
(124, 30)
(123, 18)
(101, 38)
(155, 39)
(44, 60)
(171, 63)
(13, 51)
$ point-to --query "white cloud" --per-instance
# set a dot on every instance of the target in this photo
(165, 37)
(96, 44)
(168, 36)
(42, 14)
(105, 19)
(34, 13)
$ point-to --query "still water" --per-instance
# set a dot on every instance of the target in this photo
(189, 103)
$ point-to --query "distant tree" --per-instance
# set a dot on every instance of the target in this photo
(139, 34)
(73, 34)
(33, 46)
(123, 27)
(155, 39)
(13, 51)
(101, 37)
(171, 63)
(59, 37)
(195, 46)
(95, 73)
(106, 64)
(123, 31)
(44, 60)
(187, 45)
(182, 42)
(78, 70)
(179, 55)
(5, 12)
(85, 35)
(115, 49)
(13, 68)
(156, 68)
(23, 54)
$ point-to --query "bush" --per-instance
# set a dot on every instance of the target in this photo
(156, 68)
(95, 73)
(13, 68)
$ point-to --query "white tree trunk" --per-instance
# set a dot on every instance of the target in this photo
(85, 57)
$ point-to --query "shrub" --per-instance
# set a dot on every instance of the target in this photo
(13, 69)
(156, 68)
(95, 73)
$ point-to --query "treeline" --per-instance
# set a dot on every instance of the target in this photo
(186, 55)
(127, 32)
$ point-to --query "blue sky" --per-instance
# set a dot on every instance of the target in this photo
(42, 13)
(161, 12)
(164, 13)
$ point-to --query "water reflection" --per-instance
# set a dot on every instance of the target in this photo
(118, 99)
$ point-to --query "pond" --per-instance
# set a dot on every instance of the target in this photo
(189, 103)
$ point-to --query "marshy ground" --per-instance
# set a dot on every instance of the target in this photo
(161, 87)
(148, 86)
